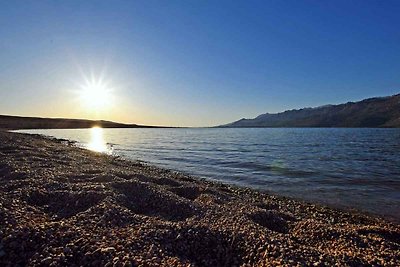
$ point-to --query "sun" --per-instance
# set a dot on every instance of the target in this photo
(95, 94)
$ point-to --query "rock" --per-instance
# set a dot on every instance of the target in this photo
(67, 250)
(108, 250)
(47, 260)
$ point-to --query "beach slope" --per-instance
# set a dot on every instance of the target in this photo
(62, 205)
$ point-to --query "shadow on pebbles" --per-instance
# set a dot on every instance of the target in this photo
(64, 206)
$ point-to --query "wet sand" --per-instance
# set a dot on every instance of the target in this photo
(62, 205)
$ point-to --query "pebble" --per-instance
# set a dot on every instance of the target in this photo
(69, 205)
(108, 250)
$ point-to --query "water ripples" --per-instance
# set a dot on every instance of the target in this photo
(358, 168)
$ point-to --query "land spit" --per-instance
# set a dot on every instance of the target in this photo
(65, 206)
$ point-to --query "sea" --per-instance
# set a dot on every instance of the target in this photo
(342, 167)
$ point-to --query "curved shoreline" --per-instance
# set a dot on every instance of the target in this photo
(63, 205)
(316, 170)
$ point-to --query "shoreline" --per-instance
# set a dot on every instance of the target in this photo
(359, 200)
(64, 205)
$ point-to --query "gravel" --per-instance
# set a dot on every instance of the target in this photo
(64, 206)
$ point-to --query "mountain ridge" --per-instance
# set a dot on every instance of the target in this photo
(370, 112)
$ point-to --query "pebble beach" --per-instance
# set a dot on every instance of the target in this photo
(61, 205)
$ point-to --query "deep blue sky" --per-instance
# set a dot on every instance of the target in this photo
(196, 63)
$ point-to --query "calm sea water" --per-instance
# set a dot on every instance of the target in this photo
(354, 168)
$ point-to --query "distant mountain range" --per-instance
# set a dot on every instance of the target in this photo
(16, 122)
(372, 112)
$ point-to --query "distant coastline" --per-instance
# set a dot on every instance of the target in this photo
(18, 122)
(377, 112)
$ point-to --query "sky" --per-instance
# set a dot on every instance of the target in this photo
(193, 63)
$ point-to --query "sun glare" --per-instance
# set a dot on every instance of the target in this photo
(97, 142)
(95, 94)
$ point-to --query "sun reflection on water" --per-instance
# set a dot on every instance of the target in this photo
(97, 142)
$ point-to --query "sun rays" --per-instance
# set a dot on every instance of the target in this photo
(95, 93)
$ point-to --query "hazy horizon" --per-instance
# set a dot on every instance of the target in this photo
(177, 63)
(128, 122)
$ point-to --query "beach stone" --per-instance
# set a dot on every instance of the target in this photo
(74, 206)
(108, 250)
(47, 260)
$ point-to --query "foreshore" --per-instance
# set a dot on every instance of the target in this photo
(61, 205)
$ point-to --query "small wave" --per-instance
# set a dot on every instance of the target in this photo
(289, 172)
